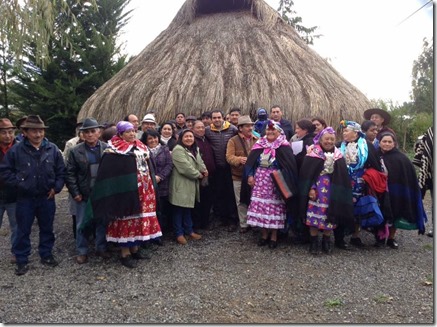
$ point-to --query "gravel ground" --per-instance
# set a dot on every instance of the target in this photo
(223, 278)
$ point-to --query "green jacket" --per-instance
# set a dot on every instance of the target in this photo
(184, 179)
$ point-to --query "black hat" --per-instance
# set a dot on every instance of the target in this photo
(384, 114)
(89, 123)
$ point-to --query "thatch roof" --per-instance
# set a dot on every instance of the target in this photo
(224, 54)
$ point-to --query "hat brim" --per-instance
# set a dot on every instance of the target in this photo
(34, 126)
(90, 127)
(384, 114)
(148, 121)
(252, 123)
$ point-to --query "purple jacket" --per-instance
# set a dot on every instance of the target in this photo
(207, 153)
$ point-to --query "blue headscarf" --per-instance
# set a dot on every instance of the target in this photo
(363, 151)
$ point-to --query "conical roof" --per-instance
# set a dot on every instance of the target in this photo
(223, 54)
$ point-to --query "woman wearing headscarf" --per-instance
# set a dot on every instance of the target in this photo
(188, 170)
(403, 189)
(325, 193)
(360, 155)
(124, 195)
(266, 208)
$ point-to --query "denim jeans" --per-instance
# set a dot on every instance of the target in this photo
(81, 240)
(10, 211)
(44, 211)
(182, 222)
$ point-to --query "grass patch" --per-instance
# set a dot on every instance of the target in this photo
(382, 298)
(332, 303)
(428, 246)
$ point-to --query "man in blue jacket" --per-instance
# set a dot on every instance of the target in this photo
(35, 168)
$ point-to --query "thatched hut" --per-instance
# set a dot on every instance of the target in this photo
(224, 54)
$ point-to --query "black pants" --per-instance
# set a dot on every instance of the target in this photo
(224, 205)
(202, 209)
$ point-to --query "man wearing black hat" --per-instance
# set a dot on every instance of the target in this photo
(35, 168)
(82, 165)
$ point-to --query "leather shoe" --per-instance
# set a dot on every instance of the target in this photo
(273, 244)
(103, 254)
(21, 269)
(262, 242)
(80, 259)
(181, 240)
(128, 261)
(393, 244)
(140, 255)
(356, 241)
(244, 230)
(158, 241)
(195, 236)
(342, 245)
(49, 261)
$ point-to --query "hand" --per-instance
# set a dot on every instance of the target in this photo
(243, 160)
(51, 194)
(205, 173)
(312, 194)
(78, 198)
(251, 181)
(158, 179)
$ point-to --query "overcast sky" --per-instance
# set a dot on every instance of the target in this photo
(371, 43)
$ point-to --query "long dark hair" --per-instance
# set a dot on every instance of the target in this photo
(193, 149)
(152, 133)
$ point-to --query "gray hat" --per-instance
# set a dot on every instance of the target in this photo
(33, 121)
(244, 120)
(89, 123)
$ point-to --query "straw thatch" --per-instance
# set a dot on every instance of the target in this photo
(224, 54)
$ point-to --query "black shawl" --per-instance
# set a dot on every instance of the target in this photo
(288, 166)
(403, 189)
(341, 209)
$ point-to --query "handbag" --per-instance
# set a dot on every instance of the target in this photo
(281, 185)
(368, 212)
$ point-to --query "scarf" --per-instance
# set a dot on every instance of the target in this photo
(120, 146)
(155, 150)
(355, 152)
(269, 148)
(165, 139)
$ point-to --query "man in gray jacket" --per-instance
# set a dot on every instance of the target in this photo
(82, 165)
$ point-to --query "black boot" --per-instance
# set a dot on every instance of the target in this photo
(314, 246)
(326, 244)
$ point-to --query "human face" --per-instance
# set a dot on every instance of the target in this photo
(152, 141)
(189, 124)
(206, 121)
(167, 130)
(6, 136)
(147, 125)
(180, 120)
(35, 135)
(276, 114)
(349, 135)
(246, 130)
(188, 139)
(134, 121)
(371, 133)
(91, 136)
(327, 142)
(199, 129)
(129, 135)
(217, 119)
(300, 132)
(272, 134)
(233, 117)
(387, 143)
(318, 125)
(377, 119)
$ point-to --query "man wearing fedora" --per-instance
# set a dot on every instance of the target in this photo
(381, 118)
(35, 168)
(237, 150)
(8, 195)
(82, 165)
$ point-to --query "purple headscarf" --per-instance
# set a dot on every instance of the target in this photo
(328, 130)
(123, 126)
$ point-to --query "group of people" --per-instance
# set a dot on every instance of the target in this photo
(133, 182)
